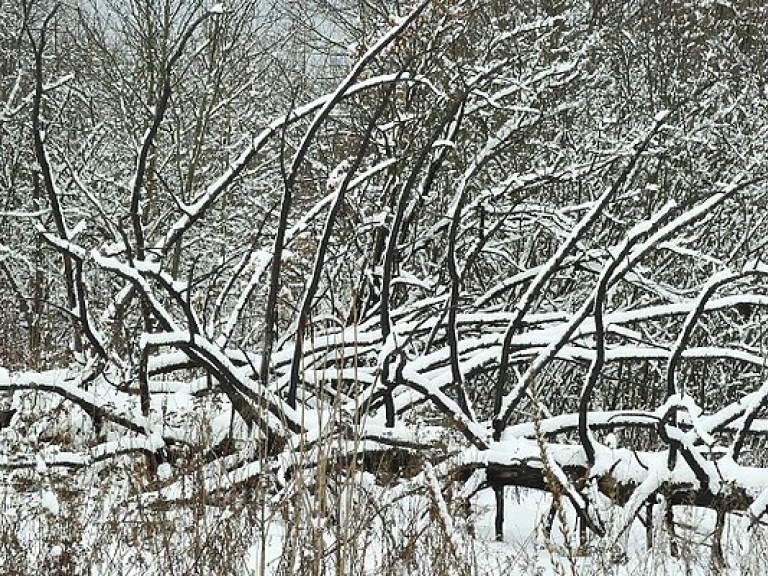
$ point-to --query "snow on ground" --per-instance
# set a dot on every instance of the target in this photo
(111, 537)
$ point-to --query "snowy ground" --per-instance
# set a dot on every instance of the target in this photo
(58, 516)
(45, 531)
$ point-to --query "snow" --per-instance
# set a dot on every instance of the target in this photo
(88, 422)
(49, 502)
(164, 471)
(41, 467)
(80, 227)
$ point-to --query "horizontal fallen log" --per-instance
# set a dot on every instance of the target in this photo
(620, 475)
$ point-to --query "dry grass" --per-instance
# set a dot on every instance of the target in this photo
(346, 524)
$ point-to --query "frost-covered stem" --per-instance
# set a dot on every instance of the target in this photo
(715, 282)
(642, 494)
(216, 189)
(140, 284)
(213, 192)
(37, 129)
(194, 325)
(500, 410)
(270, 314)
(98, 410)
(75, 256)
(688, 326)
(510, 401)
(595, 367)
(260, 265)
(473, 432)
(391, 252)
(250, 259)
(678, 441)
(441, 507)
(558, 483)
(258, 407)
(145, 152)
(314, 280)
(718, 559)
(599, 304)
(160, 108)
(452, 335)
(749, 417)
(82, 309)
(46, 172)
(554, 347)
